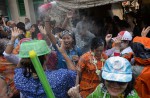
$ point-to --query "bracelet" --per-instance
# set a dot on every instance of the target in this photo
(10, 43)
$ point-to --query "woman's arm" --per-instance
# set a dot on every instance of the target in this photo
(66, 21)
(48, 31)
(69, 63)
(10, 46)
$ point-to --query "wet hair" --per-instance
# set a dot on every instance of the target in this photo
(129, 88)
(57, 30)
(29, 68)
(21, 26)
(96, 42)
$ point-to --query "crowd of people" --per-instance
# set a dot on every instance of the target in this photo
(92, 59)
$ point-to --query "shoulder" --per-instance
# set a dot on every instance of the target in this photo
(127, 50)
(86, 56)
(61, 73)
(79, 51)
(133, 94)
(98, 92)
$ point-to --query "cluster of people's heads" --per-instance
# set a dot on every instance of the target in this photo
(116, 71)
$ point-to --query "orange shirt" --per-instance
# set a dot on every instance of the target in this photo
(142, 83)
(89, 78)
(7, 72)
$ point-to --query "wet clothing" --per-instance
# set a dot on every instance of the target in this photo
(141, 48)
(60, 81)
(61, 61)
(89, 78)
(101, 92)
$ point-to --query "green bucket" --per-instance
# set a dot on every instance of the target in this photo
(39, 46)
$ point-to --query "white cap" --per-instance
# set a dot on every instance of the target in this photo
(125, 35)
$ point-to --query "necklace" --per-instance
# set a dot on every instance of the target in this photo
(94, 61)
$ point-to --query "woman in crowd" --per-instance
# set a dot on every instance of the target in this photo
(90, 65)
(26, 79)
(70, 45)
(117, 81)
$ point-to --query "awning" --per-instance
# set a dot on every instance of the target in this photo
(80, 4)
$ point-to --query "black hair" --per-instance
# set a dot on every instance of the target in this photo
(116, 19)
(96, 42)
(129, 88)
(71, 33)
(123, 24)
(21, 26)
(34, 34)
(57, 30)
(29, 68)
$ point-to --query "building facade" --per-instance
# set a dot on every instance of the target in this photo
(18, 10)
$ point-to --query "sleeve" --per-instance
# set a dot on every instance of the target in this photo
(109, 52)
(82, 63)
(96, 93)
(71, 78)
(11, 58)
(79, 51)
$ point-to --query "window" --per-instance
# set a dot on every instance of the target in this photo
(21, 7)
(36, 4)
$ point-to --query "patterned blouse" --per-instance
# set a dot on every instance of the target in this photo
(60, 81)
(89, 78)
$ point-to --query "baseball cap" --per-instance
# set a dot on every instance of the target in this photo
(117, 69)
(124, 35)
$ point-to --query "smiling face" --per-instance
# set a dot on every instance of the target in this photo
(115, 88)
(98, 51)
(68, 41)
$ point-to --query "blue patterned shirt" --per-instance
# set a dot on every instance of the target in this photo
(61, 61)
(60, 81)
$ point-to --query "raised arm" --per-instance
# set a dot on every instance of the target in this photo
(48, 31)
(69, 63)
(145, 31)
(4, 23)
(66, 21)
(10, 45)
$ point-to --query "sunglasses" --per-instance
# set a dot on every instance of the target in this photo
(119, 83)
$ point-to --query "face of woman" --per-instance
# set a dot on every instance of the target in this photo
(115, 88)
(98, 51)
(68, 41)
(32, 29)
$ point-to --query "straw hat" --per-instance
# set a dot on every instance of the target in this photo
(39, 46)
